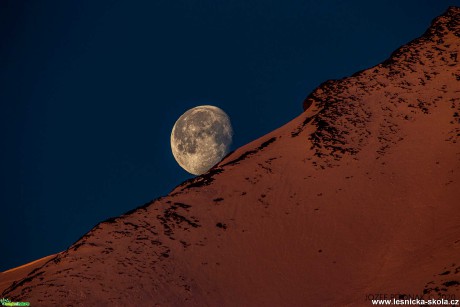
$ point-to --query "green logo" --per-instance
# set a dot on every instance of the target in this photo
(7, 302)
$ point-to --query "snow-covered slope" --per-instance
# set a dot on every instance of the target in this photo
(358, 195)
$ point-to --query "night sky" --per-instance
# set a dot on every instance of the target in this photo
(90, 90)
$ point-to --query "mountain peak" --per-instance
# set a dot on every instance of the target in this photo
(407, 80)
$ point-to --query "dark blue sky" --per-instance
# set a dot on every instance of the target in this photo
(90, 90)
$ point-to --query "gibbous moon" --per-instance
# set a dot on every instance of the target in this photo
(200, 138)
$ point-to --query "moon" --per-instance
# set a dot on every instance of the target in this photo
(200, 138)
